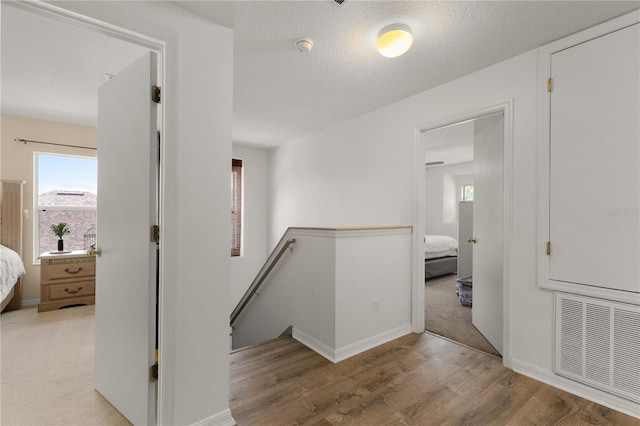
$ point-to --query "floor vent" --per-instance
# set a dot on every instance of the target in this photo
(598, 343)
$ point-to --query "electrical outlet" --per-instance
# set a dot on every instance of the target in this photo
(376, 305)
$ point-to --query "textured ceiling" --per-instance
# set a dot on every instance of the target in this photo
(51, 70)
(281, 94)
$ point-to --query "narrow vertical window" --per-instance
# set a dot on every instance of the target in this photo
(236, 206)
(466, 193)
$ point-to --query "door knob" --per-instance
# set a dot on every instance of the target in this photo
(95, 252)
(472, 240)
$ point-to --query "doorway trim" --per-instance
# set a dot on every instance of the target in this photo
(165, 333)
(418, 290)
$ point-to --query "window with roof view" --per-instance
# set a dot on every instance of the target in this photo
(236, 207)
(67, 192)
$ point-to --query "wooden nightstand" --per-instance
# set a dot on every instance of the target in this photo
(66, 279)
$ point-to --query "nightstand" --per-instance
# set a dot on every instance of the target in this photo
(66, 279)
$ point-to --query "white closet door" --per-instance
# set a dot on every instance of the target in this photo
(595, 161)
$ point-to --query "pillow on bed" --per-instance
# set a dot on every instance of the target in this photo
(439, 246)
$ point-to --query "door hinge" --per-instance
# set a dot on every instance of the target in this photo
(155, 94)
(155, 233)
(549, 84)
(153, 372)
(548, 248)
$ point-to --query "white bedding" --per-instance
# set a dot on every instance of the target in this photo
(11, 268)
(439, 246)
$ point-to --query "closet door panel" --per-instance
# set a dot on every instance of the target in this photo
(594, 211)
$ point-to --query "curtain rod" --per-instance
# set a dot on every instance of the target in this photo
(24, 141)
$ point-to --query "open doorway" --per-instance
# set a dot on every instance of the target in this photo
(54, 90)
(464, 229)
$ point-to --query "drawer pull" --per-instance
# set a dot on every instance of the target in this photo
(72, 272)
(73, 291)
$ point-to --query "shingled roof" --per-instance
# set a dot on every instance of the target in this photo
(67, 198)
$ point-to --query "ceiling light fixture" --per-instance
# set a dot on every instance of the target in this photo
(394, 40)
(304, 45)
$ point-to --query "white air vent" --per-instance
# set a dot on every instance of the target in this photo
(598, 343)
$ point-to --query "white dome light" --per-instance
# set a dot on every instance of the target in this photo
(394, 40)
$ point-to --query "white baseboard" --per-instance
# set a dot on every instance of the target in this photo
(340, 354)
(371, 342)
(30, 302)
(223, 418)
(314, 344)
(600, 397)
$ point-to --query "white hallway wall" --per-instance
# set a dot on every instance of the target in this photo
(437, 196)
(360, 173)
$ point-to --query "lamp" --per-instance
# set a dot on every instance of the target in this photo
(394, 40)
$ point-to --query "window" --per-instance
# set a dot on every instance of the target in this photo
(466, 193)
(236, 207)
(67, 192)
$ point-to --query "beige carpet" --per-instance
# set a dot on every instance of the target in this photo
(445, 316)
(47, 369)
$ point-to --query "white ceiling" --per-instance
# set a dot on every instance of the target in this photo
(50, 69)
(450, 144)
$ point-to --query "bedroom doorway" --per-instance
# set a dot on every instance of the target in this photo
(464, 203)
(132, 323)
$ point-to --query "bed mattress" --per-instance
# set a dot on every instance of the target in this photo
(439, 246)
(11, 268)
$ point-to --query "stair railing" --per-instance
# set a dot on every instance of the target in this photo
(260, 278)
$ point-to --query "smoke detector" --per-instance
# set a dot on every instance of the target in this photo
(304, 45)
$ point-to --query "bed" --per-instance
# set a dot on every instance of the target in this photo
(11, 265)
(440, 255)
(11, 269)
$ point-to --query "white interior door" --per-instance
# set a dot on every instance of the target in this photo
(465, 232)
(488, 171)
(125, 272)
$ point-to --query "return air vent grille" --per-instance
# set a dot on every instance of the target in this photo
(626, 351)
(598, 343)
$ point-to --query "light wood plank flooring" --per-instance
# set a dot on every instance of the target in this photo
(47, 379)
(415, 380)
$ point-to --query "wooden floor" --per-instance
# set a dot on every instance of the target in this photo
(416, 380)
(47, 379)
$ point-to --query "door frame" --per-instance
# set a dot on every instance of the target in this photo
(418, 290)
(164, 391)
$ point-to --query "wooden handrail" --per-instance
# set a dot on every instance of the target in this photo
(258, 282)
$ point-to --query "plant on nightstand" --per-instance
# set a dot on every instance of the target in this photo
(61, 229)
